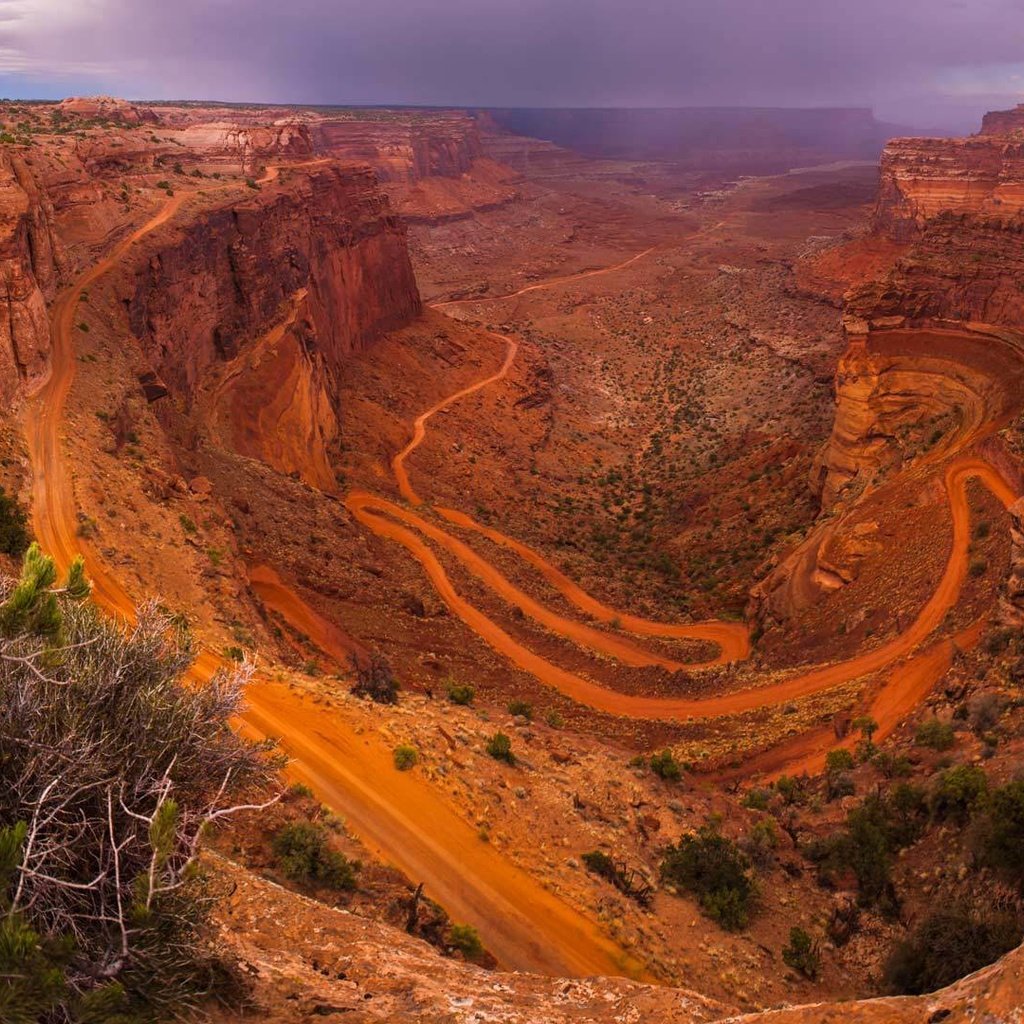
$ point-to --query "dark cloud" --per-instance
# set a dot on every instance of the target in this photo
(913, 60)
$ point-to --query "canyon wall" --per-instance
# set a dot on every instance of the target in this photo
(32, 260)
(935, 342)
(249, 312)
(939, 336)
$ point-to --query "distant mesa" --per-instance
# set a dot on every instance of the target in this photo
(108, 108)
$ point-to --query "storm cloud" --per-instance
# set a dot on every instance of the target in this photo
(918, 62)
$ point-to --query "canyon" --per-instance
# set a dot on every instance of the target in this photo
(678, 446)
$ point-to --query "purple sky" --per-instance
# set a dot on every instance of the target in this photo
(918, 62)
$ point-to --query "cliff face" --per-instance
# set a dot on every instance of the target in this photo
(31, 261)
(923, 179)
(250, 312)
(941, 333)
(935, 354)
(407, 150)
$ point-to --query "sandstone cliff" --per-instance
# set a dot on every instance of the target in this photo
(935, 354)
(249, 311)
(31, 261)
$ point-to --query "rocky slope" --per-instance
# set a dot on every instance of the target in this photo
(310, 961)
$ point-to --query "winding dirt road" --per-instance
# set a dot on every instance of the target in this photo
(397, 814)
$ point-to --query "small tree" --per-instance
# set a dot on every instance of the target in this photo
(935, 734)
(867, 727)
(460, 693)
(665, 766)
(14, 536)
(958, 791)
(466, 939)
(714, 869)
(802, 954)
(304, 853)
(947, 945)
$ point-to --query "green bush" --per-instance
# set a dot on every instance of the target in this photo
(802, 954)
(839, 760)
(14, 535)
(520, 709)
(665, 766)
(499, 746)
(405, 757)
(935, 734)
(1000, 841)
(303, 853)
(756, 799)
(958, 791)
(947, 945)
(874, 831)
(715, 870)
(466, 939)
(461, 693)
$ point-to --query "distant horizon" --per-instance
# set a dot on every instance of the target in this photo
(936, 64)
(1009, 103)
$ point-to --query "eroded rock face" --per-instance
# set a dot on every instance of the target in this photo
(935, 344)
(252, 309)
(31, 262)
(308, 960)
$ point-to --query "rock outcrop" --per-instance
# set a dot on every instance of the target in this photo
(31, 261)
(249, 313)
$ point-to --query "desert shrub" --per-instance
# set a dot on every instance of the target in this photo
(520, 709)
(14, 536)
(374, 679)
(461, 693)
(935, 734)
(300, 791)
(665, 766)
(792, 790)
(977, 567)
(802, 954)
(715, 870)
(624, 879)
(838, 760)
(958, 792)
(839, 784)
(110, 769)
(756, 799)
(874, 831)
(465, 938)
(867, 727)
(983, 712)
(948, 944)
(892, 766)
(554, 718)
(761, 842)
(303, 852)
(405, 756)
(999, 843)
(499, 746)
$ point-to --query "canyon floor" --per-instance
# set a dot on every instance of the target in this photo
(606, 474)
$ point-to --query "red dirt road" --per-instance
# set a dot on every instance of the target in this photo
(397, 814)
